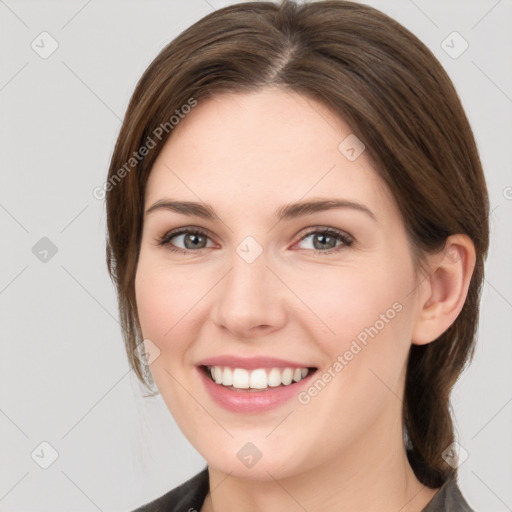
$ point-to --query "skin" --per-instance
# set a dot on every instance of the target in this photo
(247, 154)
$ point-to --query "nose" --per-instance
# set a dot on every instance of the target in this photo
(250, 299)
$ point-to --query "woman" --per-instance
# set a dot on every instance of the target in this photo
(297, 229)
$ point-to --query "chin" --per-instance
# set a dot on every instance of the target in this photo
(243, 459)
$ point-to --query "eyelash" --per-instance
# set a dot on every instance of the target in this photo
(343, 237)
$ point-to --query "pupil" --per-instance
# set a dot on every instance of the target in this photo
(192, 236)
(326, 239)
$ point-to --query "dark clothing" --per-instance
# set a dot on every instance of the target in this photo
(189, 497)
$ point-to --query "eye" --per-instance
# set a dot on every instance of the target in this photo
(191, 238)
(325, 240)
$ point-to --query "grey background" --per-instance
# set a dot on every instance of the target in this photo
(64, 374)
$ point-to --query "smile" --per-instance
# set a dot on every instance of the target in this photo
(253, 390)
(259, 378)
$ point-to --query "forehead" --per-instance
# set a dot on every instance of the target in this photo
(271, 146)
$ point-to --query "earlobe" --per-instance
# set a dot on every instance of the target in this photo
(444, 289)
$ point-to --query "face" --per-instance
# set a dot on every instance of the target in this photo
(265, 298)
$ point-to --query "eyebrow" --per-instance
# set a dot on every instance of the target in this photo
(288, 211)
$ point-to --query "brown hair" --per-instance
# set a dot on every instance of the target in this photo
(398, 100)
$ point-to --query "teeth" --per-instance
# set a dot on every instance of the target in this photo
(240, 378)
(258, 379)
(287, 376)
(227, 377)
(274, 378)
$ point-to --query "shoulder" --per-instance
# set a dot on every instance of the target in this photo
(448, 499)
(187, 497)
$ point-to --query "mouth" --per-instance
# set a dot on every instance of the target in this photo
(257, 379)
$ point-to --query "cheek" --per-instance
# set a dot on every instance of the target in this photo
(164, 298)
(168, 304)
(151, 302)
(171, 308)
(343, 302)
(157, 310)
(362, 322)
(365, 342)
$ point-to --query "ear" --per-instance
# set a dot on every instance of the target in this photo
(444, 290)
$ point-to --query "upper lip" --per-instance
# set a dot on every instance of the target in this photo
(251, 363)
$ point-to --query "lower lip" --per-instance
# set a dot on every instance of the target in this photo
(251, 400)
